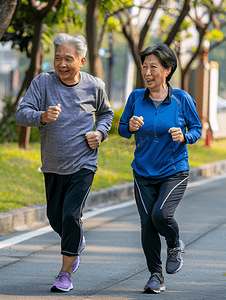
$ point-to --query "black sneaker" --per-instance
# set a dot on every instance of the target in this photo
(155, 284)
(174, 261)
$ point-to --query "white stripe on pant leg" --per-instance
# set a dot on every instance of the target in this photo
(141, 196)
(172, 191)
(85, 197)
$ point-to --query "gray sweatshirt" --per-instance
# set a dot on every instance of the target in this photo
(64, 149)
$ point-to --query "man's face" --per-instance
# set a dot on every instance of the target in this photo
(67, 64)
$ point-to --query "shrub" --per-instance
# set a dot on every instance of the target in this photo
(9, 131)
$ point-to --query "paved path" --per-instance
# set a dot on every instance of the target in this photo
(113, 265)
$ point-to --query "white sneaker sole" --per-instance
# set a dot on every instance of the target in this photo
(56, 289)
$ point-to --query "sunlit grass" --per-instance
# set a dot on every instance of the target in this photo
(22, 185)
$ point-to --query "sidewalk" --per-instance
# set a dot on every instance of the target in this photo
(35, 215)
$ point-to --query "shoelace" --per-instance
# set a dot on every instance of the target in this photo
(173, 254)
(60, 277)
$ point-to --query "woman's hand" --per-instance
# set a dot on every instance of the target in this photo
(135, 123)
(177, 134)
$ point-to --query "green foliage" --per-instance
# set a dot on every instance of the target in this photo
(112, 5)
(69, 12)
(23, 185)
(113, 24)
(116, 119)
(9, 131)
(165, 25)
(34, 135)
(21, 30)
(215, 35)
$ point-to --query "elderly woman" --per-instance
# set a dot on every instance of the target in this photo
(163, 121)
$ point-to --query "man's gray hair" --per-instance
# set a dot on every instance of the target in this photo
(77, 41)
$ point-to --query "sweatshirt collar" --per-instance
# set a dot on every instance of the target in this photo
(168, 97)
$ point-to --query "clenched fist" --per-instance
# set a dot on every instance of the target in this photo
(51, 114)
(135, 123)
(94, 138)
(177, 134)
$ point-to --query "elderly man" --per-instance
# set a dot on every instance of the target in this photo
(66, 105)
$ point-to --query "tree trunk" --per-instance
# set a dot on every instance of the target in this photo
(184, 79)
(7, 9)
(95, 63)
(33, 71)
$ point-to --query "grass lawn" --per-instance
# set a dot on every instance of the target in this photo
(22, 185)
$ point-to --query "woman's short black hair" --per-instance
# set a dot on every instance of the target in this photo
(165, 54)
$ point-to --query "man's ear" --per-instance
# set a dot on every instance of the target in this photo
(83, 60)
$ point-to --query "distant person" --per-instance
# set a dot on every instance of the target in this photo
(63, 104)
(163, 121)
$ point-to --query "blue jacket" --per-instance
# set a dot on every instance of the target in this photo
(156, 154)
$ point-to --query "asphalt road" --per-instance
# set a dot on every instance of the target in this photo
(113, 265)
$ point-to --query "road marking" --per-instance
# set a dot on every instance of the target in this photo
(25, 236)
(206, 180)
(90, 214)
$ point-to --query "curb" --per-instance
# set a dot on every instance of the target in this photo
(35, 215)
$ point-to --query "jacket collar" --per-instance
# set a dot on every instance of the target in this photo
(168, 97)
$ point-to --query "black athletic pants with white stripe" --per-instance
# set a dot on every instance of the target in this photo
(66, 196)
(157, 200)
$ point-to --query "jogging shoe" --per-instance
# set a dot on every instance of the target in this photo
(174, 261)
(155, 284)
(63, 283)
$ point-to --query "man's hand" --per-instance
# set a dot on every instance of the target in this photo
(135, 123)
(94, 138)
(51, 114)
(177, 134)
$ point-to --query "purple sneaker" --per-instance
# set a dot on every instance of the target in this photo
(75, 265)
(63, 283)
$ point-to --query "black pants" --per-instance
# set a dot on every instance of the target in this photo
(66, 196)
(157, 200)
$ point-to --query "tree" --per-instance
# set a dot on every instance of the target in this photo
(7, 9)
(97, 13)
(136, 38)
(207, 19)
(95, 64)
(26, 32)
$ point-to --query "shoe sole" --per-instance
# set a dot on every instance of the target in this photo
(151, 291)
(59, 290)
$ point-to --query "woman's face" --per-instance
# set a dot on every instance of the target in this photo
(154, 73)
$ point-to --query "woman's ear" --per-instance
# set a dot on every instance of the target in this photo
(168, 71)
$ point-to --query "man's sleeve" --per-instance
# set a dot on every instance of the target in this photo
(104, 113)
(29, 113)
